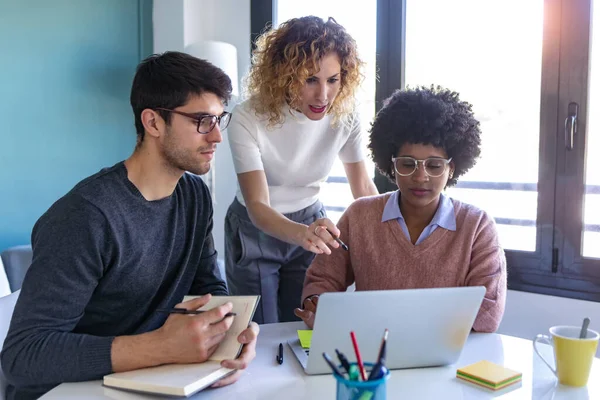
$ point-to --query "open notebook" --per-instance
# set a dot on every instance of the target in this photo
(186, 379)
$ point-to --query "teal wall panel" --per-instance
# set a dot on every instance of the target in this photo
(65, 74)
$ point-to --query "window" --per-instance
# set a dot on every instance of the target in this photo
(476, 58)
(532, 71)
(532, 176)
(591, 230)
(577, 190)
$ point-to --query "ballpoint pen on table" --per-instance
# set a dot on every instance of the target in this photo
(279, 356)
(359, 362)
(379, 369)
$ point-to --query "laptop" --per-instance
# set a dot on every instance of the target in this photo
(427, 327)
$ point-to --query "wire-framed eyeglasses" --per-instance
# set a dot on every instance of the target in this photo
(433, 166)
(206, 122)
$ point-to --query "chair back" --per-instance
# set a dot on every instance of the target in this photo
(7, 306)
(17, 261)
(4, 286)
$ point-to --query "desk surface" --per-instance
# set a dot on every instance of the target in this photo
(265, 379)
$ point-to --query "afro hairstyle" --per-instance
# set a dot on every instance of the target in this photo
(426, 115)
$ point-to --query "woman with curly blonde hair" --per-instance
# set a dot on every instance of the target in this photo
(299, 115)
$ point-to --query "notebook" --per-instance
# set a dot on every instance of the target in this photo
(489, 375)
(183, 380)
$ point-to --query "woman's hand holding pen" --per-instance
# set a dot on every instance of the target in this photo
(309, 310)
(319, 236)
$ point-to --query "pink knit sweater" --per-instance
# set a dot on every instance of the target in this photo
(381, 257)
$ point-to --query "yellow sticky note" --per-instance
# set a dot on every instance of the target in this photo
(487, 374)
(305, 337)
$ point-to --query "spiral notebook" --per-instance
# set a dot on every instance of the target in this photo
(182, 380)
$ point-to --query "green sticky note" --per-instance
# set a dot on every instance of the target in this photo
(305, 336)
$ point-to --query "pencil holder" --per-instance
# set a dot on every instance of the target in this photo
(361, 390)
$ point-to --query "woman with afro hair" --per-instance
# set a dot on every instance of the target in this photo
(298, 118)
(423, 140)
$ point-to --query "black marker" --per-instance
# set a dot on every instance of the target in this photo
(343, 360)
(279, 356)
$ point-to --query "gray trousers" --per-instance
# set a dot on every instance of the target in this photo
(259, 264)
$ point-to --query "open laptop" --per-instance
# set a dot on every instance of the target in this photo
(427, 327)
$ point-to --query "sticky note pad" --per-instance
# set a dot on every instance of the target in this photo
(489, 375)
(305, 336)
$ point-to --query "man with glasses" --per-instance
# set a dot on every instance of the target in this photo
(127, 241)
(423, 140)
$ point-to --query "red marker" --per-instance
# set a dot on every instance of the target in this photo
(359, 361)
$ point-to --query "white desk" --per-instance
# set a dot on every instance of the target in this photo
(265, 379)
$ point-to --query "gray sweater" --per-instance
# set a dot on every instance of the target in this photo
(104, 259)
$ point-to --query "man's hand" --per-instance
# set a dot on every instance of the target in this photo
(194, 338)
(248, 339)
(182, 339)
(309, 310)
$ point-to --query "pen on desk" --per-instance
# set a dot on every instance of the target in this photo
(188, 312)
(379, 369)
(279, 356)
(335, 369)
(361, 367)
(337, 239)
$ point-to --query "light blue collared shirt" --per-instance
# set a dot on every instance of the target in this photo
(444, 216)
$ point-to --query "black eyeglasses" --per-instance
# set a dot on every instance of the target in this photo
(206, 122)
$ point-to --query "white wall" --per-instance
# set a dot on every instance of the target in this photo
(178, 23)
(528, 314)
(167, 24)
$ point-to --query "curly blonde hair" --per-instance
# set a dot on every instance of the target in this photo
(285, 57)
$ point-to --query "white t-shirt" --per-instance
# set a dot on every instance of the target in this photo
(296, 156)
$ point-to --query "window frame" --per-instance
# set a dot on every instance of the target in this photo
(575, 272)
